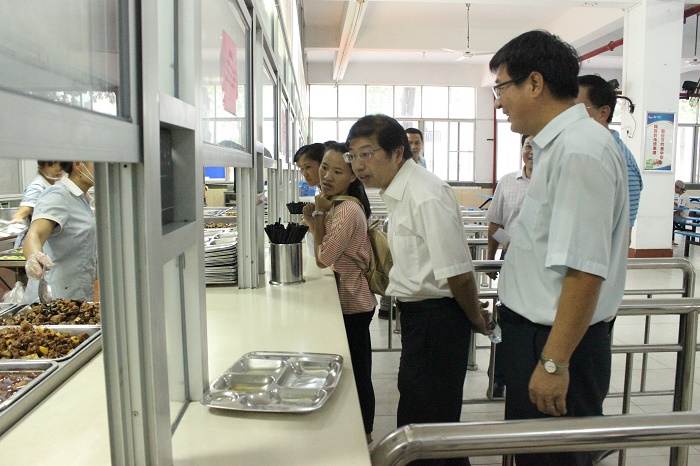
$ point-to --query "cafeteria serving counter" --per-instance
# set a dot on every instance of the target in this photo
(70, 425)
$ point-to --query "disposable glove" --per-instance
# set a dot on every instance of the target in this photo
(37, 264)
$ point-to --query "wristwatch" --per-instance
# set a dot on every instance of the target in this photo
(552, 367)
(318, 213)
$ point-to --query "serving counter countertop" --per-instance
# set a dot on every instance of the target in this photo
(70, 426)
(303, 317)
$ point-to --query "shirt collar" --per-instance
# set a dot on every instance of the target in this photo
(558, 124)
(521, 174)
(397, 187)
(72, 187)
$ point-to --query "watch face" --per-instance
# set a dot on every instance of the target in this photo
(550, 367)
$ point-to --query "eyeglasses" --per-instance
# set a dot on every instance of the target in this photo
(499, 87)
(349, 157)
(592, 106)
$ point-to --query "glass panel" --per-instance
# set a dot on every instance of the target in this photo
(380, 99)
(466, 151)
(453, 153)
(351, 101)
(438, 140)
(343, 129)
(268, 17)
(322, 131)
(508, 157)
(224, 74)
(172, 285)
(687, 112)
(268, 114)
(435, 100)
(166, 46)
(62, 51)
(407, 100)
(462, 102)
(284, 137)
(323, 101)
(409, 124)
(684, 153)
(428, 145)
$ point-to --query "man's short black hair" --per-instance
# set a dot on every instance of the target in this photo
(599, 92)
(415, 131)
(545, 53)
(313, 151)
(390, 134)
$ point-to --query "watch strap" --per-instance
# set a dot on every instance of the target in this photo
(559, 367)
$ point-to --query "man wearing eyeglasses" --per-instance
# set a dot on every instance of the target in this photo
(600, 98)
(564, 275)
(431, 278)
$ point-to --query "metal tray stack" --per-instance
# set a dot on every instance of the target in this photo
(277, 382)
(221, 256)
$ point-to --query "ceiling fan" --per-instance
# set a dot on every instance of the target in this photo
(468, 53)
(695, 61)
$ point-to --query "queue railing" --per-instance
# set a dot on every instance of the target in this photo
(426, 441)
(594, 432)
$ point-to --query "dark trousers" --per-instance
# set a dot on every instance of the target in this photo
(357, 331)
(589, 371)
(435, 335)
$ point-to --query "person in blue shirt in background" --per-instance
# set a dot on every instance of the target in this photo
(600, 98)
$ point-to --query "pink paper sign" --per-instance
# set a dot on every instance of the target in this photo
(229, 72)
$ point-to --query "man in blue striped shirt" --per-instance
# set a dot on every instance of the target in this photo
(600, 99)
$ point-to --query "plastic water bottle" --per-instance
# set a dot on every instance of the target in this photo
(496, 335)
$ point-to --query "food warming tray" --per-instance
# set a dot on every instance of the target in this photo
(10, 368)
(277, 382)
(93, 331)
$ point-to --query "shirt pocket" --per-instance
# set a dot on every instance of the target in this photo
(525, 233)
(406, 255)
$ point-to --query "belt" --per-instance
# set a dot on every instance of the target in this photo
(506, 314)
(425, 304)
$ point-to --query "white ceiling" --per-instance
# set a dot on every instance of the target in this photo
(415, 32)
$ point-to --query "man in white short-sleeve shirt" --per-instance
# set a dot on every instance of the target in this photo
(564, 275)
(431, 278)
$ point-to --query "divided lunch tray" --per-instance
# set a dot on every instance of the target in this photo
(276, 382)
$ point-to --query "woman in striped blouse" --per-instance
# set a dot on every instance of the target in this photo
(341, 242)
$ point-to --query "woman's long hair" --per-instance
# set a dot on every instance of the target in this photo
(356, 188)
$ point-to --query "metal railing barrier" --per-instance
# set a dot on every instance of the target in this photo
(424, 441)
(686, 308)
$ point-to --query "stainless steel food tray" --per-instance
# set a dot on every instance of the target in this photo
(276, 382)
(24, 308)
(10, 366)
(94, 332)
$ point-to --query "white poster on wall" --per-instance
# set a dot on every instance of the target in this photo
(659, 134)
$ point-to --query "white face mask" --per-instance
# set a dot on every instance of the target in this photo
(87, 175)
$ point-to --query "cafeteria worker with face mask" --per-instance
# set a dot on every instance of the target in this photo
(63, 219)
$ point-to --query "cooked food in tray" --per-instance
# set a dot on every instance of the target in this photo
(13, 382)
(57, 312)
(16, 377)
(276, 382)
(12, 255)
(217, 225)
(29, 342)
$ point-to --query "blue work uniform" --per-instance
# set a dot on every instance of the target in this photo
(73, 241)
(29, 199)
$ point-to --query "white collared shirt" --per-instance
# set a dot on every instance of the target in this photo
(575, 215)
(507, 199)
(426, 235)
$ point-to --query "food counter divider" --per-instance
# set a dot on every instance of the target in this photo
(48, 383)
(302, 317)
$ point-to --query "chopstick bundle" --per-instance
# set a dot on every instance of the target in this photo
(277, 233)
(296, 207)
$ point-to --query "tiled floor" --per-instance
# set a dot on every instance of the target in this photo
(628, 330)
